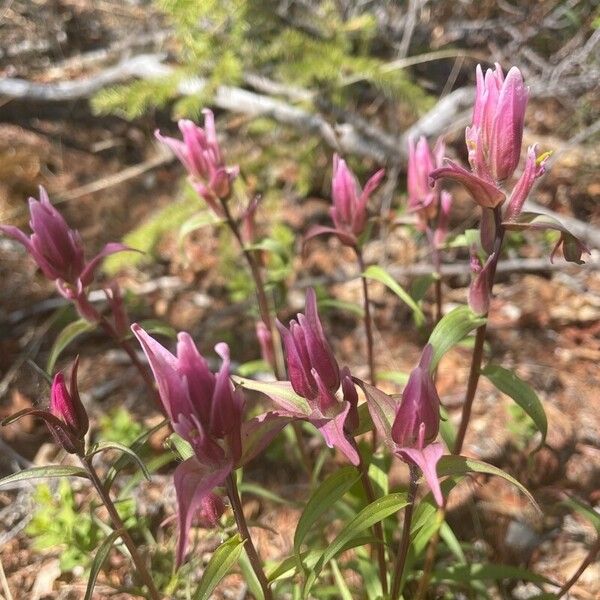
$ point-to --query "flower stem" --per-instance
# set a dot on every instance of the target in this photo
(587, 561)
(405, 540)
(368, 321)
(479, 342)
(125, 346)
(472, 382)
(437, 265)
(238, 512)
(265, 315)
(471, 388)
(377, 528)
(263, 302)
(118, 524)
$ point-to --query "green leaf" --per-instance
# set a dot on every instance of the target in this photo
(65, 337)
(367, 517)
(99, 558)
(584, 510)
(125, 459)
(511, 385)
(223, 558)
(250, 577)
(195, 222)
(101, 446)
(452, 328)
(461, 465)
(398, 377)
(322, 499)
(343, 306)
(275, 389)
(379, 274)
(340, 582)
(261, 492)
(288, 567)
(181, 446)
(465, 574)
(45, 472)
(447, 428)
(452, 542)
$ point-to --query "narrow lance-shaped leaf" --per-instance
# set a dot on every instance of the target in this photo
(572, 247)
(65, 337)
(480, 571)
(181, 446)
(461, 465)
(510, 384)
(379, 274)
(46, 472)
(451, 329)
(586, 511)
(322, 499)
(224, 557)
(101, 554)
(367, 517)
(279, 391)
(101, 446)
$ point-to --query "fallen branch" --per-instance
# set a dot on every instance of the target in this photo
(357, 137)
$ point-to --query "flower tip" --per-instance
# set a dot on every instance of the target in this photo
(222, 349)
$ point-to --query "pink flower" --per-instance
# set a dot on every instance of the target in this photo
(58, 250)
(535, 167)
(315, 376)
(421, 197)
(417, 423)
(66, 417)
(496, 134)
(349, 210)
(203, 407)
(484, 192)
(200, 154)
(205, 410)
(481, 286)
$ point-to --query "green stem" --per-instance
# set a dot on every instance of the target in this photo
(240, 519)
(118, 524)
(265, 315)
(402, 553)
(368, 319)
(263, 302)
(377, 527)
(479, 343)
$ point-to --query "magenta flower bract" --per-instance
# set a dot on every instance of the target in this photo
(205, 410)
(496, 133)
(58, 250)
(66, 417)
(417, 423)
(494, 138)
(535, 167)
(315, 375)
(349, 210)
(480, 289)
(200, 154)
(421, 196)
(203, 407)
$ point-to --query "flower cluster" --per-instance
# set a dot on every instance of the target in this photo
(59, 252)
(316, 376)
(200, 154)
(349, 210)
